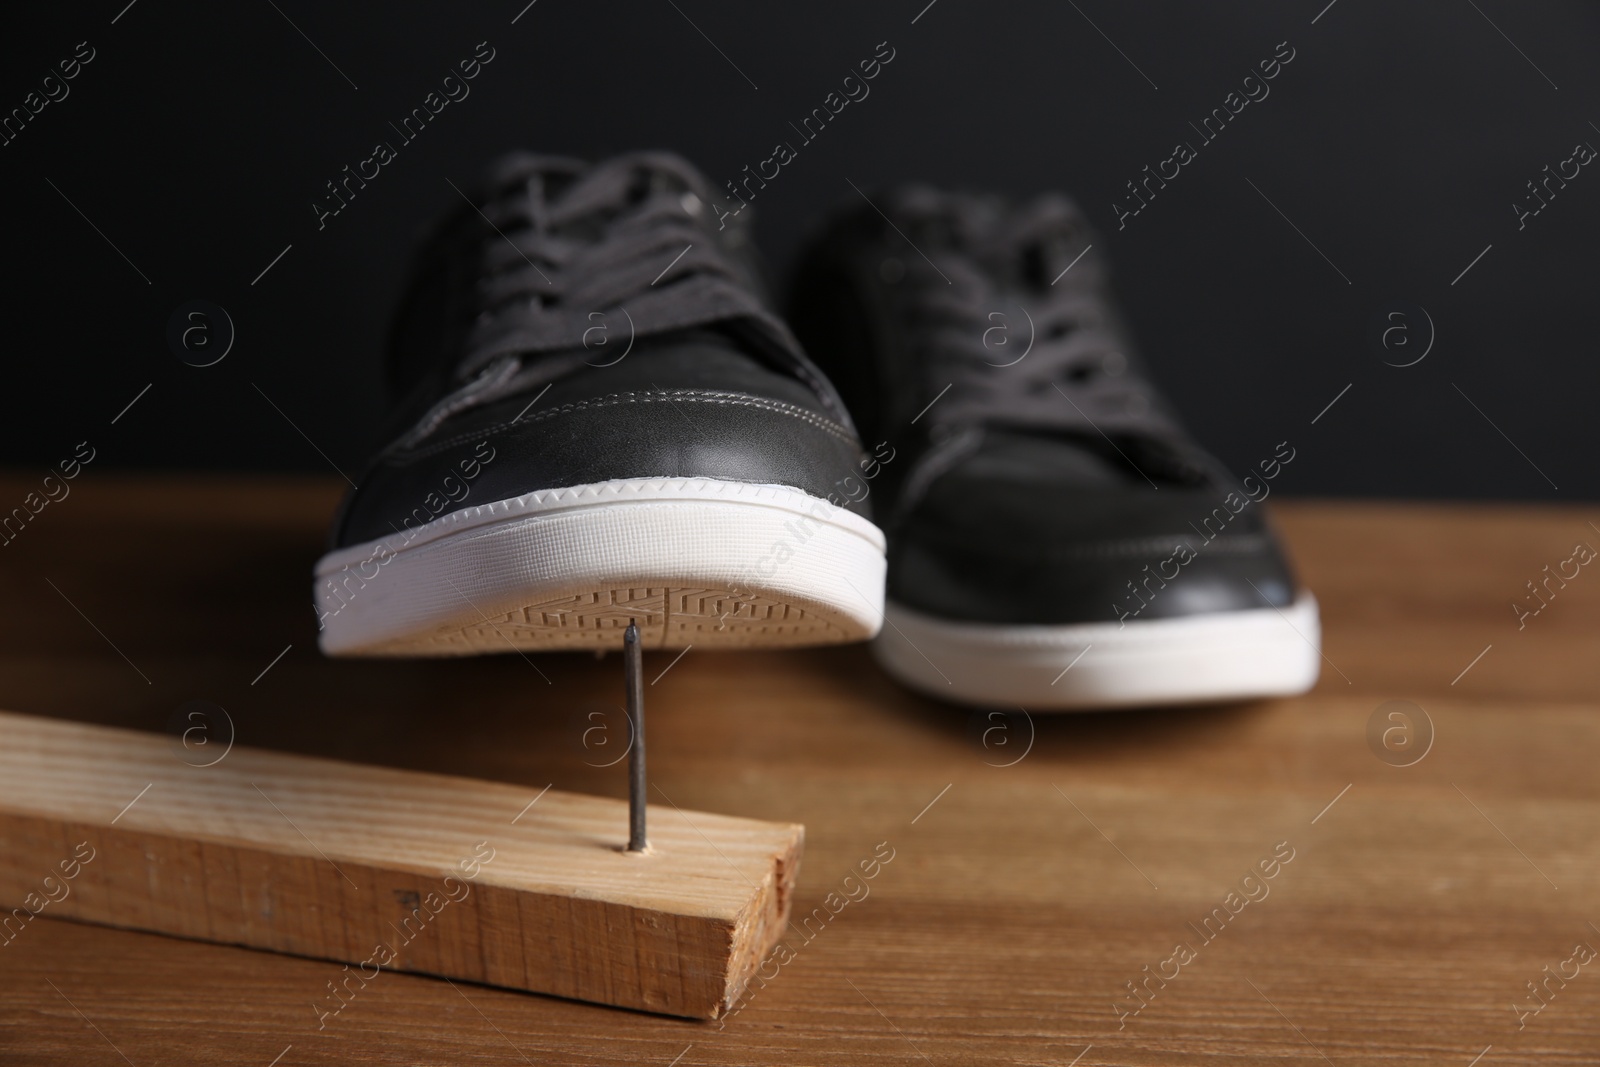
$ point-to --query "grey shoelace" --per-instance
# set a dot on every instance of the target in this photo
(631, 239)
(1005, 281)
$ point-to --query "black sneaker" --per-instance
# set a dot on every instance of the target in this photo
(1056, 541)
(603, 422)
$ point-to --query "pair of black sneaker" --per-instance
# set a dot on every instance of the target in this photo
(604, 421)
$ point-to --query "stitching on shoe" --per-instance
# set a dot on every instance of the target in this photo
(687, 396)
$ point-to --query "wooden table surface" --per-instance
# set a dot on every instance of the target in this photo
(1021, 900)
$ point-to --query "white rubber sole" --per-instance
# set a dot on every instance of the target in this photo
(1229, 655)
(693, 561)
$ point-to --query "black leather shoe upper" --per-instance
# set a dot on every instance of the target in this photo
(580, 324)
(1037, 478)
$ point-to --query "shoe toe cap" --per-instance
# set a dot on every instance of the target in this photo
(999, 554)
(680, 412)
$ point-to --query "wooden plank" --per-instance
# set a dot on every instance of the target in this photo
(388, 870)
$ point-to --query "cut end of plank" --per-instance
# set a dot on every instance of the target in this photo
(389, 870)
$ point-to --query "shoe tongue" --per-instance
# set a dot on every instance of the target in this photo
(1018, 248)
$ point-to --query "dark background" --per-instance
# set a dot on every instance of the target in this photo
(1397, 141)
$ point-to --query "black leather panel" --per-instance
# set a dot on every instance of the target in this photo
(683, 408)
(979, 549)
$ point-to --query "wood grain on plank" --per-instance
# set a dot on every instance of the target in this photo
(387, 869)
